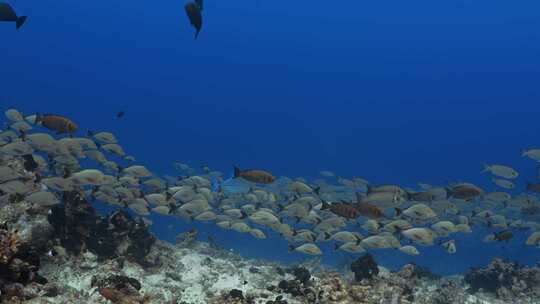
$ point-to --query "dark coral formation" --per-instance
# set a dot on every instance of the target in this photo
(505, 279)
(79, 227)
(300, 285)
(364, 267)
(19, 264)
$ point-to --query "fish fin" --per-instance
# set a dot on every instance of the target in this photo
(317, 190)
(244, 214)
(297, 219)
(398, 211)
(197, 33)
(327, 235)
(280, 207)
(20, 21)
(358, 240)
(486, 168)
(291, 248)
(336, 246)
(237, 172)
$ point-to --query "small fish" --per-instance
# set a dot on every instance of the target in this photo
(503, 183)
(57, 123)
(308, 248)
(254, 176)
(505, 235)
(193, 11)
(8, 14)
(120, 114)
(501, 171)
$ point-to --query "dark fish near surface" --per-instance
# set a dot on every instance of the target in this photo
(342, 209)
(8, 14)
(193, 11)
(57, 123)
(254, 176)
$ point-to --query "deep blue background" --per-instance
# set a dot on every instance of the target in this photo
(393, 91)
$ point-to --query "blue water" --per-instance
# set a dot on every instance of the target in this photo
(392, 91)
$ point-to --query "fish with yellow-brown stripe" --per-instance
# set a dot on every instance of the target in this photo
(57, 123)
(254, 176)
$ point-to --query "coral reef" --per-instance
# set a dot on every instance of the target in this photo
(78, 227)
(19, 265)
(507, 280)
(364, 267)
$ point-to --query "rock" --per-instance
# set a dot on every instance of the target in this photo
(507, 280)
(364, 267)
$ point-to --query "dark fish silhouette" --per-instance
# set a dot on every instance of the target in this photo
(120, 114)
(193, 11)
(8, 14)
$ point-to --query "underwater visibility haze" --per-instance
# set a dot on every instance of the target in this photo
(296, 129)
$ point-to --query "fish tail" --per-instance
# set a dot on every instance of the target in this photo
(291, 248)
(486, 168)
(317, 190)
(398, 211)
(336, 246)
(197, 34)
(237, 171)
(20, 21)
(523, 152)
(327, 236)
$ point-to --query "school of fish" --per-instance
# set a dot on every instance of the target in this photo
(353, 214)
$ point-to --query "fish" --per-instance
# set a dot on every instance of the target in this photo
(7, 14)
(502, 236)
(254, 176)
(503, 183)
(501, 171)
(308, 248)
(193, 11)
(342, 209)
(533, 154)
(120, 114)
(57, 123)
(410, 250)
(466, 192)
